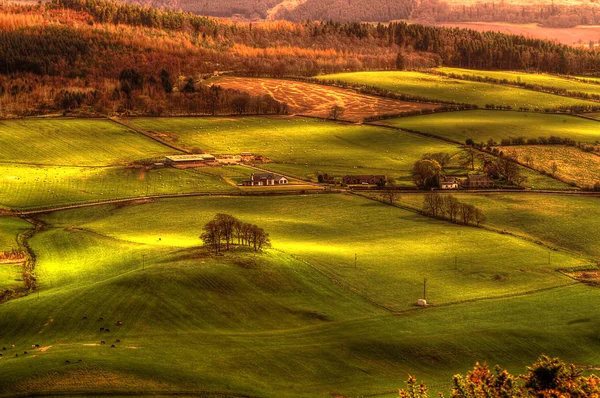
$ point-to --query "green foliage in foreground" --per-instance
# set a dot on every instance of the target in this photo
(547, 377)
(294, 143)
(27, 187)
(446, 89)
(482, 125)
(74, 142)
(396, 249)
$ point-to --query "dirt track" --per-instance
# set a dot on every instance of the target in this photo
(316, 100)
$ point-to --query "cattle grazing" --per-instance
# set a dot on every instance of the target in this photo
(100, 319)
(0, 355)
(16, 355)
(112, 346)
(81, 360)
(85, 317)
(119, 323)
(37, 346)
(67, 361)
(107, 330)
(25, 353)
(117, 341)
(103, 342)
(12, 346)
(3, 348)
(102, 329)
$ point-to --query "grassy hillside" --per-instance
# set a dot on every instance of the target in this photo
(73, 142)
(394, 247)
(482, 125)
(271, 325)
(298, 143)
(560, 220)
(541, 80)
(27, 187)
(10, 273)
(442, 88)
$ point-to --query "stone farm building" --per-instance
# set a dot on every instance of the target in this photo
(475, 181)
(185, 161)
(363, 179)
(259, 179)
(449, 183)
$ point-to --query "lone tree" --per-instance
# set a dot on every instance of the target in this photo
(223, 230)
(336, 112)
(554, 168)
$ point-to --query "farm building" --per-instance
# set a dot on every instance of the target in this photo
(185, 161)
(363, 179)
(260, 179)
(478, 181)
(448, 183)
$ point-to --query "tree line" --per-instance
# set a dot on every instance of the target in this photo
(450, 208)
(224, 231)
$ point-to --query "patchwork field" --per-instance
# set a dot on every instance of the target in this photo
(566, 221)
(542, 80)
(10, 271)
(29, 187)
(141, 265)
(298, 143)
(481, 125)
(574, 165)
(73, 142)
(316, 100)
(442, 88)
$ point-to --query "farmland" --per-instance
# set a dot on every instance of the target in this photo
(302, 142)
(335, 339)
(540, 80)
(27, 187)
(482, 125)
(562, 221)
(308, 232)
(73, 142)
(447, 89)
(574, 165)
(316, 100)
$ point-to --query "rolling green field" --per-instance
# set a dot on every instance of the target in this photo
(30, 187)
(560, 220)
(296, 321)
(481, 125)
(541, 80)
(395, 248)
(295, 143)
(74, 142)
(446, 89)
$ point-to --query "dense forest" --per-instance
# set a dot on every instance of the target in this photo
(83, 46)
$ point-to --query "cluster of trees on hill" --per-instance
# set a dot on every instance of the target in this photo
(447, 206)
(225, 230)
(547, 377)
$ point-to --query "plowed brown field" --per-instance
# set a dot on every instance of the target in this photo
(317, 100)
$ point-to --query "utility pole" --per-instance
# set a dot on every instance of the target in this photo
(143, 261)
(355, 257)
(548, 258)
(425, 289)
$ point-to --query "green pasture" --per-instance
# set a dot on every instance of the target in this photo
(295, 143)
(540, 80)
(74, 142)
(565, 221)
(481, 125)
(396, 249)
(442, 88)
(30, 187)
(296, 321)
